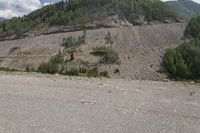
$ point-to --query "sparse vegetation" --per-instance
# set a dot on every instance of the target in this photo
(108, 38)
(7, 69)
(71, 42)
(57, 65)
(104, 74)
(107, 54)
(13, 50)
(49, 68)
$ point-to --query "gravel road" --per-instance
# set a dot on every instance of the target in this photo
(54, 104)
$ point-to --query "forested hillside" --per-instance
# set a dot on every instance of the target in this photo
(186, 8)
(193, 28)
(81, 12)
(184, 61)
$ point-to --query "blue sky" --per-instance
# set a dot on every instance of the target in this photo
(11, 8)
(48, 1)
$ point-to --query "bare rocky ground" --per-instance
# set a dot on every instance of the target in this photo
(34, 103)
(141, 49)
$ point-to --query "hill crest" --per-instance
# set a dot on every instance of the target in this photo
(79, 14)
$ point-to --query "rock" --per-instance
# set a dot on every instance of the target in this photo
(83, 101)
(166, 80)
(94, 102)
(192, 82)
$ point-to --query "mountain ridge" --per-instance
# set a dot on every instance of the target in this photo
(2, 19)
(185, 8)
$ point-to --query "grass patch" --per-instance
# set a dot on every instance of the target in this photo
(107, 54)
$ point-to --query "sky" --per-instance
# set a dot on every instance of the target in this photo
(198, 1)
(11, 8)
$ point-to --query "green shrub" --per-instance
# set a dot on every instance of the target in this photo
(116, 71)
(52, 66)
(184, 61)
(68, 42)
(57, 64)
(27, 69)
(108, 38)
(193, 28)
(104, 74)
(57, 59)
(72, 72)
(93, 72)
(109, 55)
(83, 70)
(71, 42)
(48, 68)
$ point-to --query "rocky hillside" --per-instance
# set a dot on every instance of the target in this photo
(85, 14)
(186, 8)
(140, 48)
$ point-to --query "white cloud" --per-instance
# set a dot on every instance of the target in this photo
(11, 8)
(7, 13)
(198, 1)
(47, 4)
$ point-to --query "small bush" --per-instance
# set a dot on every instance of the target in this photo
(71, 42)
(104, 74)
(52, 66)
(57, 59)
(72, 72)
(116, 71)
(27, 69)
(30, 69)
(109, 55)
(48, 68)
(108, 38)
(93, 72)
(82, 70)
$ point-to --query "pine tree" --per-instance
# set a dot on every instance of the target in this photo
(4, 26)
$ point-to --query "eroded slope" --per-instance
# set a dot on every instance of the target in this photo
(141, 49)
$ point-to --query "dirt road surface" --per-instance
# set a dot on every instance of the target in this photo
(55, 104)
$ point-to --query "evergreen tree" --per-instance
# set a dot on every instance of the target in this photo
(4, 26)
